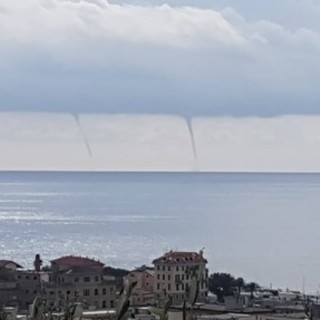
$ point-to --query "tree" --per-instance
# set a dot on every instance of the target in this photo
(239, 284)
(252, 287)
(221, 284)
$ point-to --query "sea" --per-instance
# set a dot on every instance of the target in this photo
(262, 227)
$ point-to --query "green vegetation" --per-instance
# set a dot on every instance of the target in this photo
(3, 315)
(124, 300)
(224, 284)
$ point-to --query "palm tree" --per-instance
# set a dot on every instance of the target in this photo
(240, 284)
(252, 287)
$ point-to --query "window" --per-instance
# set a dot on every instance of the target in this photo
(177, 287)
(27, 277)
(169, 277)
(177, 277)
(104, 304)
(158, 268)
(158, 276)
(96, 292)
(35, 292)
(147, 284)
(111, 290)
(182, 277)
(163, 277)
(169, 268)
(86, 292)
(51, 293)
(68, 292)
(163, 268)
(35, 278)
(169, 286)
(158, 286)
(96, 278)
(104, 291)
(86, 279)
(76, 279)
(177, 268)
(111, 304)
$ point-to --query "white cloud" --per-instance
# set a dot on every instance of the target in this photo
(95, 56)
(55, 22)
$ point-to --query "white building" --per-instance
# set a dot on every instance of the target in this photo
(173, 273)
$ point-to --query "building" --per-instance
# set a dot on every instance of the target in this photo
(75, 278)
(29, 287)
(18, 287)
(142, 294)
(8, 283)
(173, 275)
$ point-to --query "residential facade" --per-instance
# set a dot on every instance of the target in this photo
(18, 287)
(173, 274)
(75, 278)
(142, 294)
(8, 283)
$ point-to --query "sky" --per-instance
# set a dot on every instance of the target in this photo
(182, 57)
(160, 85)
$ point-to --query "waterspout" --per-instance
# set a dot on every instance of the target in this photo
(83, 135)
(193, 141)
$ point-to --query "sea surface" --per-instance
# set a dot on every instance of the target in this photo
(263, 227)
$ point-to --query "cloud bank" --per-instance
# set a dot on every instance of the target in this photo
(95, 142)
(56, 22)
(97, 56)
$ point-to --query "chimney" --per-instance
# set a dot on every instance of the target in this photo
(37, 263)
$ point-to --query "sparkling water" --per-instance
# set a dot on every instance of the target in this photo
(263, 227)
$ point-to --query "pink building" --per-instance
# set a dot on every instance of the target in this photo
(143, 292)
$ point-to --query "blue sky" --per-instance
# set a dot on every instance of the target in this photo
(235, 58)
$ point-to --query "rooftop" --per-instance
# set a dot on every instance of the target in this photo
(3, 263)
(177, 257)
(77, 261)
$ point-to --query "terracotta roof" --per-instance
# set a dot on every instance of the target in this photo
(3, 263)
(77, 261)
(177, 257)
